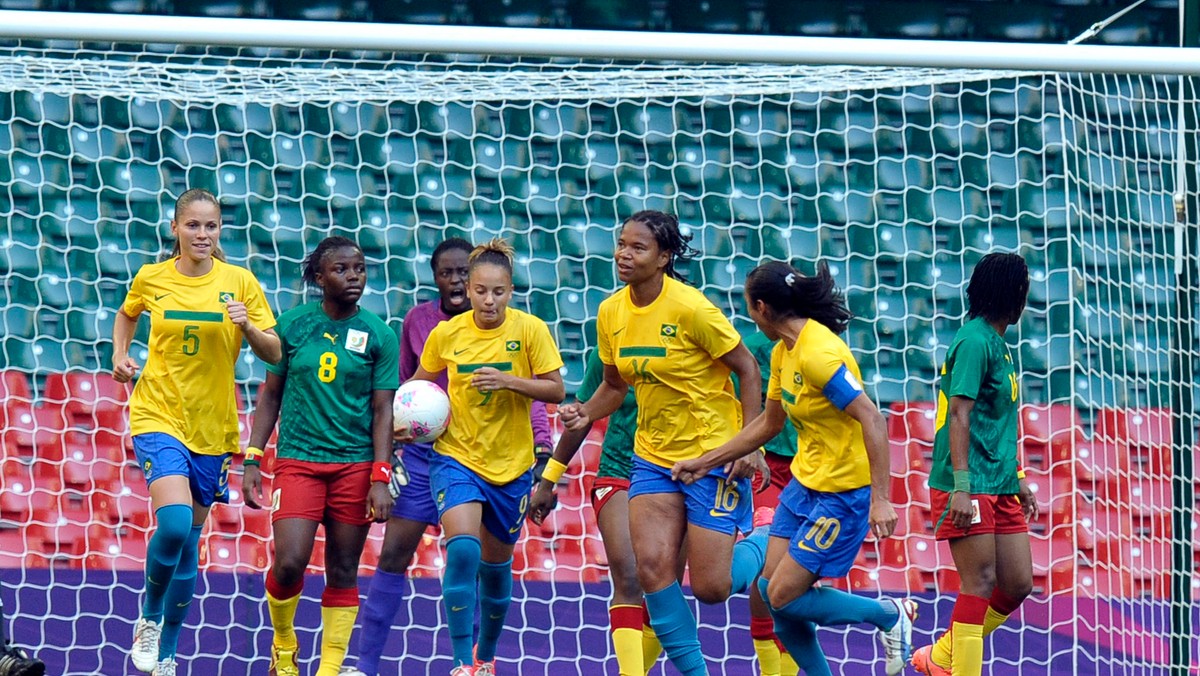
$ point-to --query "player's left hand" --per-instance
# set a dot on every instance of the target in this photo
(488, 379)
(882, 518)
(379, 502)
(689, 471)
(749, 465)
(1029, 505)
(237, 314)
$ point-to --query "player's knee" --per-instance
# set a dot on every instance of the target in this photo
(396, 560)
(1018, 590)
(626, 588)
(979, 582)
(711, 591)
(289, 567)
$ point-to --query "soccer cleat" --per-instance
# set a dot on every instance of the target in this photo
(283, 662)
(146, 634)
(165, 668)
(922, 661)
(14, 662)
(897, 641)
(463, 670)
(485, 668)
(351, 671)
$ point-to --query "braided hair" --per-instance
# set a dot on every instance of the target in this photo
(791, 294)
(665, 229)
(998, 288)
(312, 262)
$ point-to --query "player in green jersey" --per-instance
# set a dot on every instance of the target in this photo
(334, 387)
(981, 502)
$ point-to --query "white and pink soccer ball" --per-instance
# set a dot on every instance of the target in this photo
(423, 407)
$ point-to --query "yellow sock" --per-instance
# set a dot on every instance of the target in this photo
(651, 648)
(787, 665)
(942, 649)
(768, 656)
(992, 621)
(283, 620)
(967, 655)
(337, 622)
(627, 643)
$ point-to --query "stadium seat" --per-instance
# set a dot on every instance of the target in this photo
(27, 176)
(1049, 431)
(85, 394)
(38, 107)
(1147, 433)
(419, 11)
(996, 21)
(914, 20)
(912, 421)
(788, 17)
(241, 555)
(319, 10)
(648, 123)
(14, 385)
(730, 16)
(84, 144)
(520, 13)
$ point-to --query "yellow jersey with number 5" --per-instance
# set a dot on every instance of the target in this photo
(186, 386)
(670, 352)
(489, 432)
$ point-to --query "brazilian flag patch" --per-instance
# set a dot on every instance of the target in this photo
(226, 296)
(513, 346)
(669, 330)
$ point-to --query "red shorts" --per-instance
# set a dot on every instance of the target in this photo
(998, 514)
(316, 490)
(781, 474)
(604, 488)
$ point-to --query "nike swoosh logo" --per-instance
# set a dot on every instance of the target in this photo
(717, 513)
(496, 617)
(158, 297)
(618, 330)
(805, 547)
(457, 609)
(458, 352)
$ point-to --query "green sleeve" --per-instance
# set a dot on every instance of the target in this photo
(968, 367)
(593, 375)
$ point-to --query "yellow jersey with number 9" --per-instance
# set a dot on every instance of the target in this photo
(489, 432)
(186, 387)
(670, 352)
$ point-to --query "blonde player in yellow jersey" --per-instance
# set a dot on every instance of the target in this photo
(840, 485)
(677, 350)
(497, 360)
(183, 414)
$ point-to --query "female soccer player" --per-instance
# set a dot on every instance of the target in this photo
(334, 386)
(497, 360)
(840, 485)
(182, 413)
(415, 510)
(677, 350)
(981, 502)
(610, 501)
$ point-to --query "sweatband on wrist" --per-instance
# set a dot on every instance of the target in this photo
(554, 471)
(381, 472)
(1020, 473)
(962, 481)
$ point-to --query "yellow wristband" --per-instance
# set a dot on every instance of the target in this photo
(253, 453)
(1020, 474)
(554, 471)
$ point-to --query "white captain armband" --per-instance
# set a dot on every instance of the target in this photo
(842, 388)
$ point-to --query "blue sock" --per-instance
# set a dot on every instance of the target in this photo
(162, 555)
(179, 595)
(828, 607)
(675, 626)
(495, 595)
(384, 598)
(459, 594)
(800, 639)
(749, 555)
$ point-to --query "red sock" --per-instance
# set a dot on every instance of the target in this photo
(762, 629)
(969, 610)
(278, 591)
(625, 617)
(340, 597)
(1002, 603)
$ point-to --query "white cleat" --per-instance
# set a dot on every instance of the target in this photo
(146, 634)
(165, 668)
(351, 671)
(897, 642)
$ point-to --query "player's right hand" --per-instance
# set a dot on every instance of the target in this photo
(124, 369)
(573, 416)
(402, 434)
(252, 487)
(962, 512)
(541, 504)
(688, 471)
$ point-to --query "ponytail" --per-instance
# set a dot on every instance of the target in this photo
(496, 251)
(791, 294)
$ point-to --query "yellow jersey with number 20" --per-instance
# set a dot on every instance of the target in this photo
(186, 386)
(814, 381)
(489, 432)
(670, 351)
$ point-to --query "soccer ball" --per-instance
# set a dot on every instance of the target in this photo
(423, 407)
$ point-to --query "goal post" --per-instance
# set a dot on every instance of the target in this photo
(899, 163)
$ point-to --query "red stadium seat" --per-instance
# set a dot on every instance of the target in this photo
(912, 421)
(1055, 494)
(572, 567)
(1049, 432)
(532, 561)
(256, 521)
(240, 555)
(1145, 432)
(430, 559)
(82, 394)
(1096, 460)
(15, 385)
(131, 551)
(21, 507)
(370, 556)
(909, 456)
(14, 550)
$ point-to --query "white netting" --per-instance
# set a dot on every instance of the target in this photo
(901, 178)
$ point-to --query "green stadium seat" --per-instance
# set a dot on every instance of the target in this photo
(851, 274)
(340, 187)
(455, 120)
(520, 13)
(131, 181)
(957, 134)
(17, 353)
(549, 121)
(997, 21)
(725, 274)
(698, 165)
(537, 273)
(318, 10)
(900, 173)
(444, 193)
(18, 321)
(488, 158)
(139, 114)
(955, 207)
(418, 11)
(289, 152)
(729, 16)
(713, 241)
(890, 241)
(347, 119)
(623, 15)
(807, 17)
(191, 149)
(119, 265)
(257, 117)
(20, 258)
(396, 153)
(85, 144)
(648, 123)
(915, 20)
(841, 208)
(27, 176)
(890, 385)
(41, 107)
(769, 124)
(49, 356)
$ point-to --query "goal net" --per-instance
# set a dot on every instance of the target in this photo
(902, 179)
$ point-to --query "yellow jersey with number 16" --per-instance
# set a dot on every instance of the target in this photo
(670, 351)
(489, 432)
(186, 386)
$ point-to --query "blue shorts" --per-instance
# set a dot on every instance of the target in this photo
(451, 484)
(826, 530)
(415, 502)
(712, 502)
(161, 455)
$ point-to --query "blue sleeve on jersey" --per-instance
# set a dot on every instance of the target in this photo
(842, 388)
